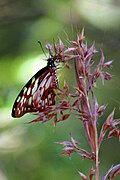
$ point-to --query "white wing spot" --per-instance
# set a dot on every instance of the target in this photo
(33, 79)
(22, 98)
(18, 111)
(29, 91)
(18, 99)
(24, 101)
(35, 87)
(24, 90)
(48, 82)
(30, 101)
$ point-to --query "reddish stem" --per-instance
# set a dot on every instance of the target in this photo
(96, 151)
(88, 118)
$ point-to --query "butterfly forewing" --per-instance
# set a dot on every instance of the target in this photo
(37, 94)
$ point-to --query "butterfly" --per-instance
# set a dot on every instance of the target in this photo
(38, 93)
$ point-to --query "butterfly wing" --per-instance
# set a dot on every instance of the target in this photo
(37, 94)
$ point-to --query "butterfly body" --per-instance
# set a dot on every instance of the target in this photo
(38, 93)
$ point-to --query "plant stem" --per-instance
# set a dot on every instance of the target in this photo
(96, 151)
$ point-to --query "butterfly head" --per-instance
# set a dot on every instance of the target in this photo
(53, 62)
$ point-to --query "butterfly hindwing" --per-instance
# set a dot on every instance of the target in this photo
(37, 94)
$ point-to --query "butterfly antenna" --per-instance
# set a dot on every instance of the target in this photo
(42, 48)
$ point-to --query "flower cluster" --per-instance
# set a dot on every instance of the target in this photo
(87, 109)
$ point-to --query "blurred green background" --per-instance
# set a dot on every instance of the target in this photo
(29, 151)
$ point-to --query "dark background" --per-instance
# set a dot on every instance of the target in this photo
(29, 151)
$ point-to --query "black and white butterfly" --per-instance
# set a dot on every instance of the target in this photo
(39, 92)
